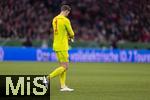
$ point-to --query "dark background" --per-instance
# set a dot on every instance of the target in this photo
(98, 21)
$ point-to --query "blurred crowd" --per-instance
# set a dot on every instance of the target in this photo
(92, 20)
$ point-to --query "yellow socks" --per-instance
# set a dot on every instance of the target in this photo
(63, 79)
(57, 72)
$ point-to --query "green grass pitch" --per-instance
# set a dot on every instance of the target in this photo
(92, 81)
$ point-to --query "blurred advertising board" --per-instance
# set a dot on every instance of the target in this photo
(76, 55)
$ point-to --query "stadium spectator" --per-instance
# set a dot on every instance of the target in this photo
(93, 20)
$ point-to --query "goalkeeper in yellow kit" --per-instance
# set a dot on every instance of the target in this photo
(62, 34)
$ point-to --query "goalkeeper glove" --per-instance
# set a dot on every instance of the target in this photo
(72, 40)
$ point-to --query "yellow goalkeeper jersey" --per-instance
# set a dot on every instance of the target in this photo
(62, 31)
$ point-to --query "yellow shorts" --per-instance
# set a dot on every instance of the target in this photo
(62, 56)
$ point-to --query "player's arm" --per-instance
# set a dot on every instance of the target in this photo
(69, 29)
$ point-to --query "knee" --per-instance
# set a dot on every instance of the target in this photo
(65, 65)
(66, 68)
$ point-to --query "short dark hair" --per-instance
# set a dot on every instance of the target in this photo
(65, 7)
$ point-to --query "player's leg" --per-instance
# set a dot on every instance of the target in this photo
(63, 75)
(60, 69)
(63, 58)
(56, 72)
(63, 79)
(64, 62)
(63, 83)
